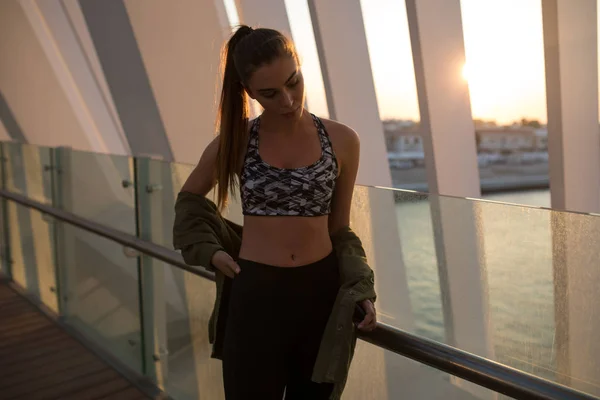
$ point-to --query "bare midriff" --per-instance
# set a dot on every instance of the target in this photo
(285, 241)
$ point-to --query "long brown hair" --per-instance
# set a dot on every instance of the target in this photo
(244, 53)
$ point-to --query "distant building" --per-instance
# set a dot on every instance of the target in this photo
(404, 144)
(508, 140)
(541, 138)
(402, 136)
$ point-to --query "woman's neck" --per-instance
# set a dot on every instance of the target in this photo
(277, 123)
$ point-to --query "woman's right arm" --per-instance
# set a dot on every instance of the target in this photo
(204, 177)
(201, 181)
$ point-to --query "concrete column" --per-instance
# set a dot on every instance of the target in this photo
(265, 14)
(63, 47)
(348, 79)
(37, 87)
(447, 125)
(571, 50)
(180, 43)
(451, 160)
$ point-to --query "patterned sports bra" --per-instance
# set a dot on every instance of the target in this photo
(272, 191)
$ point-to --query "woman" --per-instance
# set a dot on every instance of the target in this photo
(296, 176)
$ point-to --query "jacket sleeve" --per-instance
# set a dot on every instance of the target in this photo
(355, 274)
(196, 230)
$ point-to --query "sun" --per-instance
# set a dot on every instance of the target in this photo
(466, 73)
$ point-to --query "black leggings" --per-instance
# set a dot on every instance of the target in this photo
(274, 327)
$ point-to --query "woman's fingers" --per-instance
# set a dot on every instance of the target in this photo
(233, 267)
(370, 321)
(224, 263)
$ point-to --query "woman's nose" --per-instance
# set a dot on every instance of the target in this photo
(287, 99)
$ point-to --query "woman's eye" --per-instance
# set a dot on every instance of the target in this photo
(269, 95)
(294, 83)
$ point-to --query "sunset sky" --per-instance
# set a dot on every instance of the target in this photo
(504, 52)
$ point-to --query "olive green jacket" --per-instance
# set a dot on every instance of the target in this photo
(199, 231)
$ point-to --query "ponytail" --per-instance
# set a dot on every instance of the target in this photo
(232, 121)
(246, 51)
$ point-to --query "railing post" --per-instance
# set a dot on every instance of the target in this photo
(5, 236)
(151, 275)
(64, 238)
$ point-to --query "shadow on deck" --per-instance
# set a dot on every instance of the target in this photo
(40, 360)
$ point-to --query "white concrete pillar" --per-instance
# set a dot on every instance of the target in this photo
(63, 46)
(180, 44)
(447, 124)
(348, 79)
(264, 14)
(40, 104)
(451, 161)
(571, 49)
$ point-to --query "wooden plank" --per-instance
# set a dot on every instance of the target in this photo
(54, 381)
(22, 321)
(71, 387)
(13, 302)
(32, 325)
(40, 361)
(31, 336)
(29, 354)
(22, 343)
(76, 360)
(110, 387)
(127, 394)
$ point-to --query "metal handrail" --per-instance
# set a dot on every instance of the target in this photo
(481, 371)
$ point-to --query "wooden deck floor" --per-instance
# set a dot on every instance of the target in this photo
(39, 360)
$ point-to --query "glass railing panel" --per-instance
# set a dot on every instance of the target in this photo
(178, 303)
(28, 171)
(99, 278)
(99, 187)
(376, 373)
(32, 253)
(102, 292)
(186, 371)
(4, 248)
(158, 183)
(544, 282)
(514, 284)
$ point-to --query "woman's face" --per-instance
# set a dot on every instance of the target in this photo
(279, 87)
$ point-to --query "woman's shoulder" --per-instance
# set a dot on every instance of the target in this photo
(342, 136)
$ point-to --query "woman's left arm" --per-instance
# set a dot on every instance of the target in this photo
(346, 144)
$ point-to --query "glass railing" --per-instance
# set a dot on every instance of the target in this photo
(517, 285)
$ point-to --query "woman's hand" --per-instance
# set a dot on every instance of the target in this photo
(224, 263)
(370, 321)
